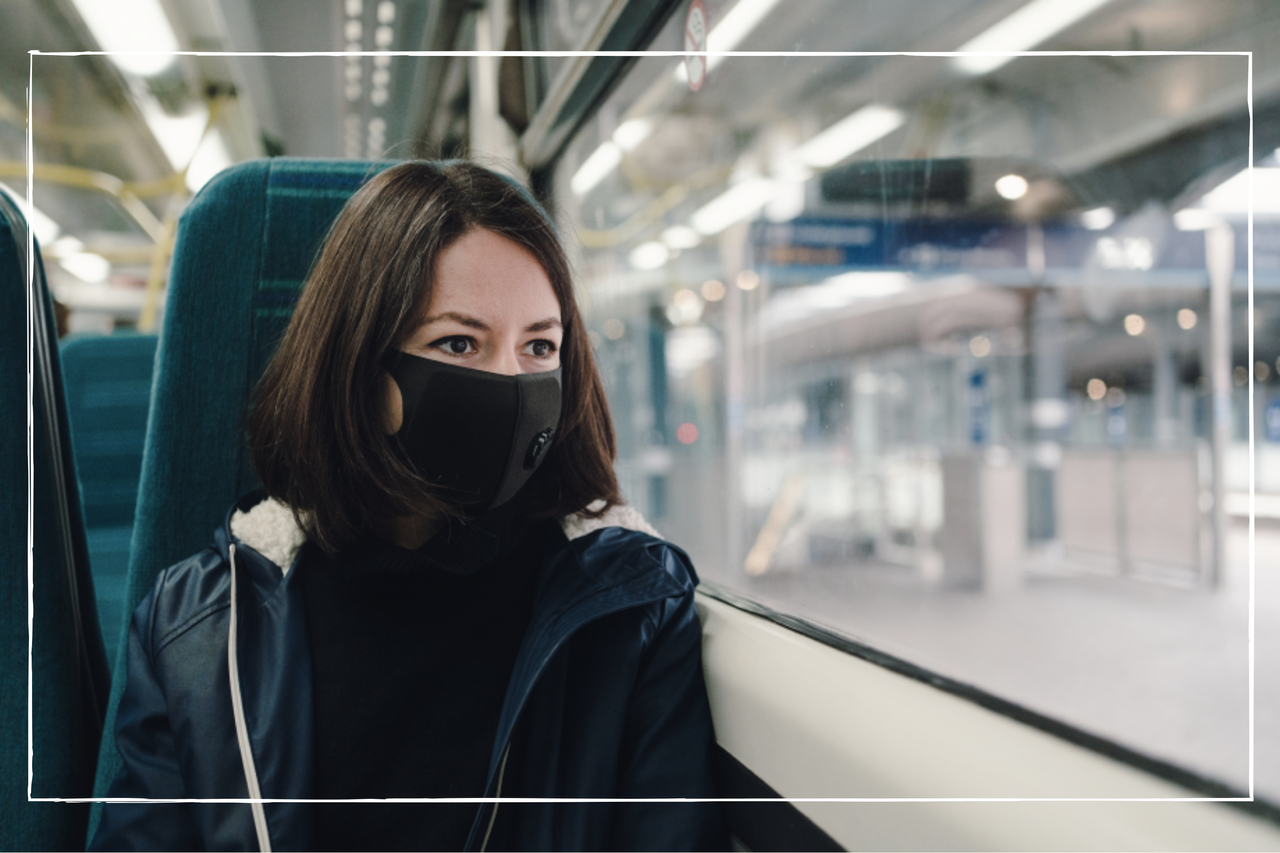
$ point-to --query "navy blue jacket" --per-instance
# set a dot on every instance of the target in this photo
(606, 700)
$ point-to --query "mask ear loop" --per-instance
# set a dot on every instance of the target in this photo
(242, 730)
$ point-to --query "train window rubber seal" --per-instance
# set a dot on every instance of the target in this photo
(1192, 781)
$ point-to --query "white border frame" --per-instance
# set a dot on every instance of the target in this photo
(30, 158)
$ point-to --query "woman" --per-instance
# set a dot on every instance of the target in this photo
(438, 592)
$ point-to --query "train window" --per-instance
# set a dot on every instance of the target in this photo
(952, 354)
(563, 25)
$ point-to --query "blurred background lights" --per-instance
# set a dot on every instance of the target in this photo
(735, 204)
(1012, 187)
(64, 246)
(1240, 374)
(687, 433)
(801, 304)
(1025, 28)
(45, 228)
(1262, 371)
(606, 158)
(686, 298)
(1098, 218)
(850, 135)
(1126, 253)
(867, 383)
(179, 134)
(1193, 219)
(1115, 397)
(736, 25)
(1096, 389)
(748, 280)
(87, 267)
(1187, 319)
(742, 18)
(614, 328)
(131, 25)
(649, 256)
(211, 157)
(712, 290)
(689, 347)
(593, 170)
(1232, 197)
(632, 132)
(787, 203)
(980, 346)
(685, 308)
(681, 237)
(1134, 324)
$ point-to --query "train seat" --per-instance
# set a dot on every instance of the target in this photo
(244, 247)
(69, 678)
(108, 387)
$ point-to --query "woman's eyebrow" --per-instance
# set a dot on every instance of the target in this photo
(463, 319)
(543, 325)
(476, 323)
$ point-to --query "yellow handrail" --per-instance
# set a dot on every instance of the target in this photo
(89, 179)
(155, 277)
(129, 194)
(652, 212)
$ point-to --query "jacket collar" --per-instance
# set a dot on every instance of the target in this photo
(588, 566)
(592, 576)
(596, 568)
(270, 528)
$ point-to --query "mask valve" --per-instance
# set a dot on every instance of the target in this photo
(539, 444)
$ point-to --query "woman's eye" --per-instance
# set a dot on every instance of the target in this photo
(541, 349)
(457, 345)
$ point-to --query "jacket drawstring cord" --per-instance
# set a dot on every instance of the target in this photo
(493, 815)
(242, 730)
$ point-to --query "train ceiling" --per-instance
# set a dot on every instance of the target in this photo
(90, 112)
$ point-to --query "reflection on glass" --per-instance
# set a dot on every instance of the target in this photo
(928, 356)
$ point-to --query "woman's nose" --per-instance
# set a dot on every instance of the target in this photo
(504, 361)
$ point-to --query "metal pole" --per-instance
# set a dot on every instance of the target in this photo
(1219, 246)
(735, 320)
(491, 140)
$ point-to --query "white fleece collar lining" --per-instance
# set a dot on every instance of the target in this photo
(270, 529)
(576, 526)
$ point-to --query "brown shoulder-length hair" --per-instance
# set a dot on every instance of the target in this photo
(316, 423)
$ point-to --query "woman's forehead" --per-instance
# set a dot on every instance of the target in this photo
(490, 274)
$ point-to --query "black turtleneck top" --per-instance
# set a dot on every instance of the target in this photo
(411, 653)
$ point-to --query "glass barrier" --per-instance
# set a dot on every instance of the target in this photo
(928, 353)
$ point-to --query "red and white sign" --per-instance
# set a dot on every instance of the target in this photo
(695, 38)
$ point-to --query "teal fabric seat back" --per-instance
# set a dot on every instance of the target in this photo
(245, 245)
(108, 385)
(69, 680)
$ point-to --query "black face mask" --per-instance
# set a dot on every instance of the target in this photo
(479, 436)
